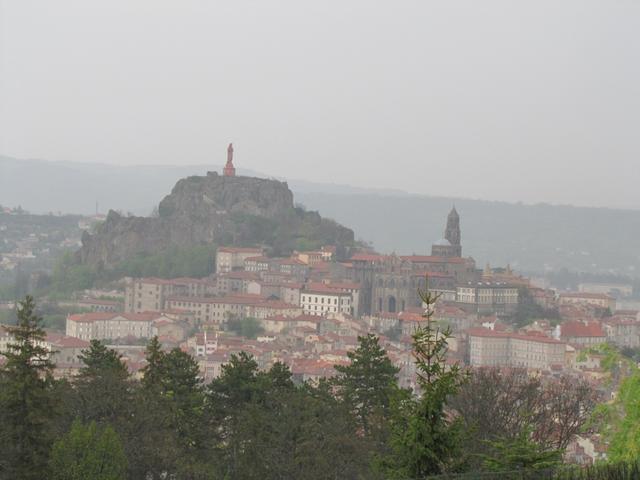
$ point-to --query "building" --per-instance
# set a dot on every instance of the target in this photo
(113, 326)
(235, 282)
(321, 299)
(488, 297)
(215, 311)
(584, 333)
(622, 331)
(150, 294)
(232, 258)
(257, 264)
(488, 348)
(389, 283)
(618, 290)
(598, 300)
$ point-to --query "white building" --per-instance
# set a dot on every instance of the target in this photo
(110, 326)
(320, 299)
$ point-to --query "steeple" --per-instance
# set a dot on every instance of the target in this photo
(452, 231)
(229, 170)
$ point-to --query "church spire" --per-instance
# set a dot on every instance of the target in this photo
(452, 231)
(229, 170)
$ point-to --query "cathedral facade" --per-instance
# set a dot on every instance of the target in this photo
(390, 283)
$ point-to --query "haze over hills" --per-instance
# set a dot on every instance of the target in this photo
(530, 237)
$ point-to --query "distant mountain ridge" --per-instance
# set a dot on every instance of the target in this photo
(530, 237)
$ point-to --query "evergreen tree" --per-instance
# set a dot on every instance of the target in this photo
(368, 382)
(103, 389)
(88, 452)
(425, 441)
(521, 453)
(181, 387)
(26, 401)
(227, 396)
(100, 361)
(152, 370)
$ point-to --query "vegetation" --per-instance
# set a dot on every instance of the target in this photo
(88, 451)
(69, 276)
(424, 439)
(528, 310)
(250, 423)
(26, 399)
(246, 327)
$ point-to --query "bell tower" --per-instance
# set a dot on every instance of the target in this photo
(452, 232)
(229, 170)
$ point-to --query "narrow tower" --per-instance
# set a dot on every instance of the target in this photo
(229, 170)
(452, 232)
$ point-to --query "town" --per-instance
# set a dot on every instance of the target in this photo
(309, 309)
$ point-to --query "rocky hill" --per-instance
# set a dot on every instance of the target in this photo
(213, 209)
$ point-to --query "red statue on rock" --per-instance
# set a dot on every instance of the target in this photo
(229, 170)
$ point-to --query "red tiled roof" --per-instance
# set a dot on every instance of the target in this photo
(487, 333)
(581, 329)
(60, 340)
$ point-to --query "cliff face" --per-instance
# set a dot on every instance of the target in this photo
(213, 210)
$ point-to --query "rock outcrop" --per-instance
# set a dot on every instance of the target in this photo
(214, 209)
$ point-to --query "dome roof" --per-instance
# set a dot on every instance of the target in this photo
(443, 242)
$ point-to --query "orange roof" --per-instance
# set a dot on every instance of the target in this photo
(487, 333)
(581, 329)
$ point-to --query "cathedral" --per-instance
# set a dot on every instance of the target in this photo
(390, 282)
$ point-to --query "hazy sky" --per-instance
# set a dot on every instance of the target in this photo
(511, 100)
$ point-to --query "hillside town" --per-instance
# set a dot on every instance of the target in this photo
(309, 309)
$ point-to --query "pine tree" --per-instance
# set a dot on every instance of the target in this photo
(26, 401)
(102, 387)
(425, 441)
(152, 371)
(100, 361)
(368, 382)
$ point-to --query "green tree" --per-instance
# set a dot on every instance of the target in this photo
(300, 432)
(181, 385)
(152, 371)
(100, 361)
(26, 401)
(424, 440)
(242, 390)
(521, 453)
(102, 388)
(368, 382)
(245, 327)
(88, 452)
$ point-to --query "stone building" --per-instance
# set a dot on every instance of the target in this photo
(450, 245)
(488, 348)
(389, 283)
(150, 294)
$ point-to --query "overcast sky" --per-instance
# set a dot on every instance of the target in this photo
(508, 100)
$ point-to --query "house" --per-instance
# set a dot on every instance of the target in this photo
(584, 333)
